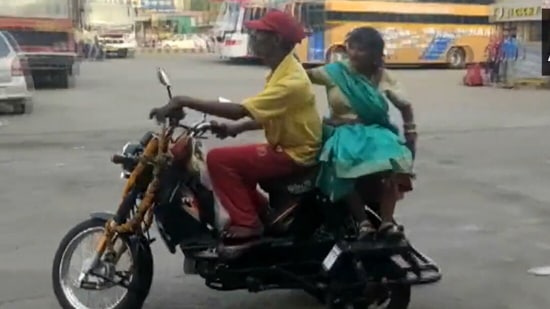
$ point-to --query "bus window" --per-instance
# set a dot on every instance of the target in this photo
(253, 13)
(407, 18)
(316, 15)
(248, 14)
(313, 16)
(258, 12)
(263, 12)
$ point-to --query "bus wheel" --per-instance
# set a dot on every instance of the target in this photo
(456, 57)
(336, 54)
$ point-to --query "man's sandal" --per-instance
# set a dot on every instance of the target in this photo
(366, 230)
(390, 231)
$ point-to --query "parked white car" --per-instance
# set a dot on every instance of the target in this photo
(184, 42)
(15, 80)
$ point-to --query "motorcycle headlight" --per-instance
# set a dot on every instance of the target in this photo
(130, 150)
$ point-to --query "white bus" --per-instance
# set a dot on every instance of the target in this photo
(114, 23)
(231, 36)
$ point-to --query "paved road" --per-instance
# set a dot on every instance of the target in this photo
(480, 207)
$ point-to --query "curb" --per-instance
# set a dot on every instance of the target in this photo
(532, 83)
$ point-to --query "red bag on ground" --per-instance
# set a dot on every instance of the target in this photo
(474, 76)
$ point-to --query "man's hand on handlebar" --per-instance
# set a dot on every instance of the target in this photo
(172, 111)
(224, 130)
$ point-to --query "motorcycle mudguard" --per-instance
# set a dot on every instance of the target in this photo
(103, 215)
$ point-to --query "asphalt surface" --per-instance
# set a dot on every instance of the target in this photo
(480, 206)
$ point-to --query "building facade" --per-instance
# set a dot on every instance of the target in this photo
(521, 16)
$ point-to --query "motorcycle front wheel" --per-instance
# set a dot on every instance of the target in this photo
(110, 285)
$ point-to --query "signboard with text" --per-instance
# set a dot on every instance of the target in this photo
(508, 13)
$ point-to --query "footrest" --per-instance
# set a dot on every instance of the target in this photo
(418, 268)
(365, 247)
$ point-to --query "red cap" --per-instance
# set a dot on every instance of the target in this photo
(281, 23)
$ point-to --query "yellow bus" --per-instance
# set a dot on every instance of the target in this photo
(451, 32)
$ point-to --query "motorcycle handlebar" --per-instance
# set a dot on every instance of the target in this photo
(205, 126)
(174, 120)
(201, 127)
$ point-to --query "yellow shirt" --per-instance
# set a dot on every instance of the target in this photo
(286, 109)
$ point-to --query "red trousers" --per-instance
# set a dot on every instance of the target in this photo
(235, 173)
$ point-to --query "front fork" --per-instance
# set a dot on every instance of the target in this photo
(155, 155)
(112, 257)
(140, 222)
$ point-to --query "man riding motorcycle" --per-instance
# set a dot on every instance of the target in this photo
(285, 109)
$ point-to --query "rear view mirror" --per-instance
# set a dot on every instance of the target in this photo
(163, 77)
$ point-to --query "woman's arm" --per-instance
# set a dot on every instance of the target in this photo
(405, 107)
(409, 126)
(317, 76)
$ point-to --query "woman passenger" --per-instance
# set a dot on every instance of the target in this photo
(359, 139)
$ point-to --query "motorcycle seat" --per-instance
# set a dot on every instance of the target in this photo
(297, 183)
(284, 198)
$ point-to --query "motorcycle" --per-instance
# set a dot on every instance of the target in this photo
(310, 243)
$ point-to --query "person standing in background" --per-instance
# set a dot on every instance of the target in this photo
(78, 42)
(100, 49)
(498, 50)
(509, 55)
(97, 48)
(493, 62)
(90, 46)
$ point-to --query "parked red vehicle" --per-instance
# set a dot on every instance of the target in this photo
(45, 32)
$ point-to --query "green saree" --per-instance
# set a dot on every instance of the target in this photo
(354, 150)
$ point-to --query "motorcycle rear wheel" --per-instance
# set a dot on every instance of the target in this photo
(141, 276)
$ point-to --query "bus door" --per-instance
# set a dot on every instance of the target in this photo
(227, 20)
(242, 17)
(313, 18)
(252, 13)
(301, 50)
(234, 41)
